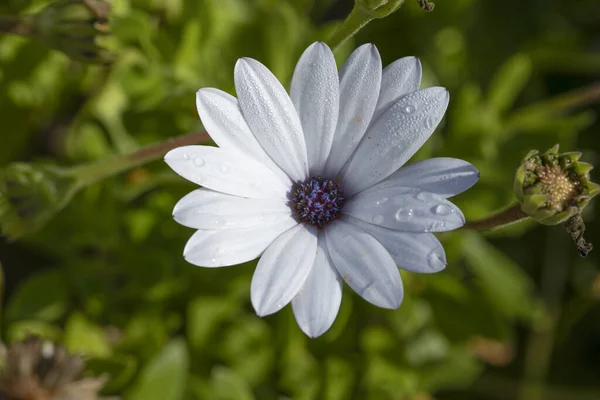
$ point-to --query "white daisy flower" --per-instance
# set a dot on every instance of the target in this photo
(312, 182)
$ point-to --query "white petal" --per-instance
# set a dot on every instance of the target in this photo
(316, 94)
(318, 302)
(222, 117)
(206, 209)
(394, 138)
(405, 209)
(401, 77)
(283, 269)
(360, 80)
(272, 117)
(444, 176)
(226, 171)
(416, 252)
(364, 264)
(219, 248)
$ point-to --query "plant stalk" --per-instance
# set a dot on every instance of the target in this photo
(507, 216)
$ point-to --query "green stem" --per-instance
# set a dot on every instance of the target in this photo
(16, 25)
(507, 216)
(354, 22)
(96, 171)
(363, 12)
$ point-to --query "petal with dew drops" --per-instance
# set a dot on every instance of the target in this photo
(405, 209)
(207, 209)
(318, 302)
(271, 115)
(360, 80)
(316, 94)
(401, 77)
(364, 264)
(417, 252)
(220, 248)
(226, 171)
(444, 176)
(283, 269)
(394, 138)
(222, 117)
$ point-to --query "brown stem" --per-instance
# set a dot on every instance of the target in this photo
(101, 169)
(505, 217)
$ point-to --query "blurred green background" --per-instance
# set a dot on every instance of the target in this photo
(516, 313)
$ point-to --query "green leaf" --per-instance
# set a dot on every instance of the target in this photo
(120, 370)
(164, 378)
(502, 280)
(204, 315)
(23, 329)
(458, 371)
(508, 82)
(339, 379)
(228, 385)
(43, 296)
(428, 347)
(82, 336)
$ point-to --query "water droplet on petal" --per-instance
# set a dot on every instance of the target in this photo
(436, 226)
(404, 214)
(435, 261)
(442, 209)
(220, 221)
(426, 197)
(382, 200)
(409, 109)
(429, 123)
(378, 219)
(186, 156)
(224, 169)
(198, 162)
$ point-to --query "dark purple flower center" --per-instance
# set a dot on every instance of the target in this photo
(317, 201)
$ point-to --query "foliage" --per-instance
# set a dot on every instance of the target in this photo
(106, 276)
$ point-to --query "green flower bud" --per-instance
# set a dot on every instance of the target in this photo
(72, 26)
(30, 195)
(553, 187)
(378, 8)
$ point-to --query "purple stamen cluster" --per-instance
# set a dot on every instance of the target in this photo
(317, 201)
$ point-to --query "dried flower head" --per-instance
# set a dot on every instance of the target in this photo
(553, 187)
(73, 27)
(37, 369)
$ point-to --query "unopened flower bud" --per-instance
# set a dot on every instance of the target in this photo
(73, 27)
(30, 195)
(553, 187)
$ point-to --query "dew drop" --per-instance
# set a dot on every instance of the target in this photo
(435, 261)
(409, 109)
(382, 200)
(186, 156)
(219, 221)
(378, 219)
(198, 162)
(442, 209)
(436, 226)
(426, 197)
(429, 123)
(404, 214)
(224, 169)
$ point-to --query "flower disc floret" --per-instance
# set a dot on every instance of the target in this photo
(317, 201)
